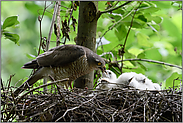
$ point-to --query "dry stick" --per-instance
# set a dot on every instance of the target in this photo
(51, 27)
(55, 82)
(49, 37)
(113, 115)
(112, 9)
(10, 81)
(123, 48)
(71, 11)
(58, 24)
(74, 108)
(40, 20)
(2, 85)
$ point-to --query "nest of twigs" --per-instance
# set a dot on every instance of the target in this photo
(115, 105)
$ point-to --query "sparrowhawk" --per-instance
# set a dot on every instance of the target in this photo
(65, 61)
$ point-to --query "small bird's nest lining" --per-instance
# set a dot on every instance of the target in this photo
(115, 105)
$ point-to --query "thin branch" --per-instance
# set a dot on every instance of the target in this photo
(51, 27)
(58, 24)
(44, 85)
(112, 9)
(123, 48)
(114, 26)
(49, 36)
(40, 20)
(74, 108)
(146, 60)
(153, 61)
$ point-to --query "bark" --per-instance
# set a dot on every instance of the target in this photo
(87, 25)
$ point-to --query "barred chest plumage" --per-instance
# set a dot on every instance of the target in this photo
(72, 70)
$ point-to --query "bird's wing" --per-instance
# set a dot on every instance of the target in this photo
(57, 56)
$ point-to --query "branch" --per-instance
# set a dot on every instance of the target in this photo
(58, 24)
(146, 60)
(51, 27)
(49, 35)
(44, 85)
(153, 61)
(74, 108)
(113, 26)
(40, 18)
(112, 9)
(123, 48)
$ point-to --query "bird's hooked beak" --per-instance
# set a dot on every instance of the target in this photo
(103, 69)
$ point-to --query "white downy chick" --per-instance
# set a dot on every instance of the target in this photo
(110, 77)
(138, 81)
(157, 86)
(124, 78)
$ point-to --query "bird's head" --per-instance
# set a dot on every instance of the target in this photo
(101, 65)
(95, 61)
(109, 74)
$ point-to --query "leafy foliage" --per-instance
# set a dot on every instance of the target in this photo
(10, 22)
(155, 34)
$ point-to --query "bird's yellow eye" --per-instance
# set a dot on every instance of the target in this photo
(99, 63)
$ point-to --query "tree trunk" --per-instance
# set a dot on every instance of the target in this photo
(87, 25)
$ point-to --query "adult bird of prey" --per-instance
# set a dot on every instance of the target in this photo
(65, 61)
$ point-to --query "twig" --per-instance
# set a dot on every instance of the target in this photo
(123, 48)
(49, 36)
(40, 31)
(9, 81)
(70, 13)
(66, 79)
(145, 60)
(51, 27)
(2, 85)
(74, 108)
(58, 24)
(112, 9)
(113, 115)
(113, 26)
(153, 61)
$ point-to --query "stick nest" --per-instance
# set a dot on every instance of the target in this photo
(83, 105)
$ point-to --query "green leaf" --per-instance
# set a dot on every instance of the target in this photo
(142, 66)
(120, 31)
(34, 8)
(119, 11)
(10, 21)
(171, 79)
(154, 27)
(143, 40)
(135, 24)
(157, 19)
(116, 17)
(12, 37)
(129, 55)
(141, 17)
(153, 53)
(141, 55)
(149, 9)
(30, 56)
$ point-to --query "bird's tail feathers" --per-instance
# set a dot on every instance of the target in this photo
(34, 78)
